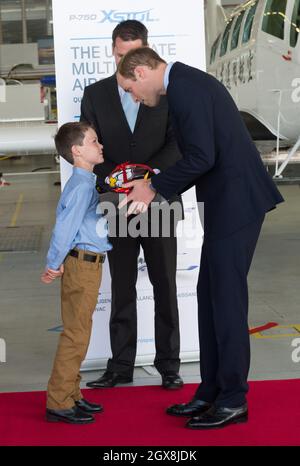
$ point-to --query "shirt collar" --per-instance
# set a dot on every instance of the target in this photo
(166, 75)
(83, 172)
(121, 91)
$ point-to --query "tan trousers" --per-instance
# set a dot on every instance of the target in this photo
(79, 292)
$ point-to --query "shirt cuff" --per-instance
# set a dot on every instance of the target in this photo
(53, 267)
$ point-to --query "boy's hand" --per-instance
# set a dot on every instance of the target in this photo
(45, 278)
(49, 275)
(56, 273)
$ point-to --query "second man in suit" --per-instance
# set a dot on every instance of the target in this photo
(133, 132)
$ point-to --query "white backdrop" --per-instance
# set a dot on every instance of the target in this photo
(83, 55)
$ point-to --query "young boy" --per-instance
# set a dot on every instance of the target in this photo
(79, 241)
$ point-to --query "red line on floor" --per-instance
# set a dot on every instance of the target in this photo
(263, 327)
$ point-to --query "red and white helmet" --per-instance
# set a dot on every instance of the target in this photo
(128, 171)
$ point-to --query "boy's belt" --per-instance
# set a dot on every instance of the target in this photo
(88, 257)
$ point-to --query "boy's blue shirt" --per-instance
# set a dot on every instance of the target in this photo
(77, 222)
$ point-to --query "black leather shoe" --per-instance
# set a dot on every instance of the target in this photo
(87, 407)
(71, 416)
(171, 380)
(109, 379)
(219, 417)
(193, 408)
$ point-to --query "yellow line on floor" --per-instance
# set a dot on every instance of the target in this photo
(17, 211)
(262, 335)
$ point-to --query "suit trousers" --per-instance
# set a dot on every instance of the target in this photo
(79, 294)
(161, 259)
(223, 317)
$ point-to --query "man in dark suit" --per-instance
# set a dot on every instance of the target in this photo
(220, 159)
(130, 131)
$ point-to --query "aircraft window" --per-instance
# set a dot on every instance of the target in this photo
(225, 39)
(236, 31)
(249, 23)
(295, 24)
(214, 49)
(274, 18)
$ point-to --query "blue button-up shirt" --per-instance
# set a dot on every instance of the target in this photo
(130, 107)
(78, 221)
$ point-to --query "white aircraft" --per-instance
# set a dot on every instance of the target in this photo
(23, 127)
(26, 113)
(255, 53)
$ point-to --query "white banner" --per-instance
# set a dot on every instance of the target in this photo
(83, 55)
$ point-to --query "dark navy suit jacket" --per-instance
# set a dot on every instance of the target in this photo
(219, 157)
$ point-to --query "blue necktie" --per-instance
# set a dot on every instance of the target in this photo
(130, 108)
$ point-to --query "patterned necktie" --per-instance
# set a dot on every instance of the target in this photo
(130, 109)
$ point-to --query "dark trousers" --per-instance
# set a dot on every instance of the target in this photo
(223, 317)
(160, 256)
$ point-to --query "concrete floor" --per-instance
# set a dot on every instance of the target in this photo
(28, 308)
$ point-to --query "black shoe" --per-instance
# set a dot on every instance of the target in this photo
(193, 408)
(219, 417)
(171, 380)
(109, 379)
(87, 407)
(71, 416)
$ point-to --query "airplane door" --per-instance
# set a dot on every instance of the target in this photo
(274, 65)
(294, 31)
(290, 103)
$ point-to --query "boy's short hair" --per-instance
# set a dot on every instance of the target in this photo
(68, 135)
(136, 57)
(130, 29)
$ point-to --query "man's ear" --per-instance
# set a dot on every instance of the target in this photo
(140, 72)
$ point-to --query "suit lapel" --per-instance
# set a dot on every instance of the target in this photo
(112, 86)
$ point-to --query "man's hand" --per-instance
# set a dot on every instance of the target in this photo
(49, 275)
(141, 195)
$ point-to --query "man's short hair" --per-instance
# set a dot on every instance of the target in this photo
(68, 135)
(142, 56)
(130, 30)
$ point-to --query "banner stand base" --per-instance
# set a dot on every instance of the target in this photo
(144, 360)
